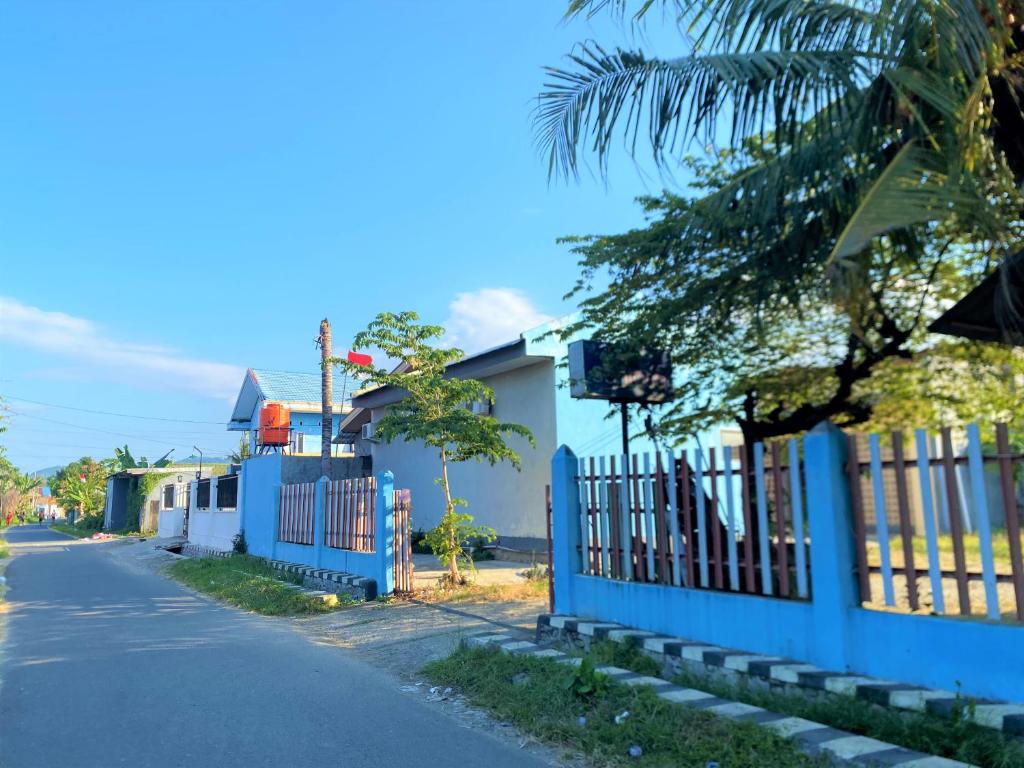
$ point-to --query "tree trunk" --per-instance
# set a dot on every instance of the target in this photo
(449, 508)
(326, 395)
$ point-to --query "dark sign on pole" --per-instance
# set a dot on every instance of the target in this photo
(600, 371)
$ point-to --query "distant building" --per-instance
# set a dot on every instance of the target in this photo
(300, 394)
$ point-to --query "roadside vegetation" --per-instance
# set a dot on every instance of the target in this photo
(4, 552)
(955, 738)
(79, 532)
(548, 700)
(247, 582)
(435, 413)
(528, 590)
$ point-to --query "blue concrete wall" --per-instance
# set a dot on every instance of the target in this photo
(261, 477)
(831, 630)
(261, 483)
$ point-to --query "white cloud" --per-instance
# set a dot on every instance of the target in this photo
(78, 340)
(491, 316)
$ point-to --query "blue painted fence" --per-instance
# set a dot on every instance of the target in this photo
(830, 629)
(260, 520)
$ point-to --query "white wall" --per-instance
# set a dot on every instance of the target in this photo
(172, 522)
(214, 528)
(511, 502)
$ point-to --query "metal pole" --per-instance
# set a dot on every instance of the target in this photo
(625, 428)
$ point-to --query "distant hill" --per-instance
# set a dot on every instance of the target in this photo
(190, 461)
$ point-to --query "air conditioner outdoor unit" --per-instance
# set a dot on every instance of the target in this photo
(481, 408)
(367, 432)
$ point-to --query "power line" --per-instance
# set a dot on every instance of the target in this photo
(93, 429)
(110, 413)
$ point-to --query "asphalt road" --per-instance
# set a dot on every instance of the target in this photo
(102, 666)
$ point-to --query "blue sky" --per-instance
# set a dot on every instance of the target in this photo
(189, 187)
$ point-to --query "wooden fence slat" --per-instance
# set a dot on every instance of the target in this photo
(613, 518)
(931, 539)
(796, 493)
(592, 511)
(684, 490)
(605, 554)
(881, 518)
(955, 523)
(713, 520)
(636, 510)
(371, 524)
(988, 569)
(730, 516)
(662, 526)
(702, 518)
(581, 481)
(906, 528)
(649, 516)
(782, 546)
(859, 524)
(1010, 515)
(762, 521)
(748, 525)
(673, 518)
(626, 538)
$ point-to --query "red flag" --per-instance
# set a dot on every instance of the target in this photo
(359, 359)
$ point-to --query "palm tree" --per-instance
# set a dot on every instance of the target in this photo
(879, 115)
(243, 452)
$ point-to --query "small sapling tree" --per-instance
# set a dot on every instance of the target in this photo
(437, 411)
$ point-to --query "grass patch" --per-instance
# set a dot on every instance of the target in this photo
(73, 530)
(546, 704)
(4, 552)
(529, 590)
(246, 581)
(954, 738)
(957, 738)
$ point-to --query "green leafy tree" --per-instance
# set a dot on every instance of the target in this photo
(125, 460)
(884, 115)
(758, 339)
(436, 411)
(81, 486)
(243, 452)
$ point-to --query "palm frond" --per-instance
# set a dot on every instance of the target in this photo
(685, 98)
(914, 188)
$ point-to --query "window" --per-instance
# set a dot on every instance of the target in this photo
(169, 496)
(203, 494)
(227, 492)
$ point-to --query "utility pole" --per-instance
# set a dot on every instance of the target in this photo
(326, 393)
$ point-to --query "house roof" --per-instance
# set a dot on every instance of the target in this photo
(490, 362)
(993, 311)
(299, 391)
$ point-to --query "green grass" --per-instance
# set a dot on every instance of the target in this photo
(4, 552)
(956, 739)
(546, 707)
(246, 581)
(73, 530)
(944, 545)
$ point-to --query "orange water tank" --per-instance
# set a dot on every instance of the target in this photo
(274, 422)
